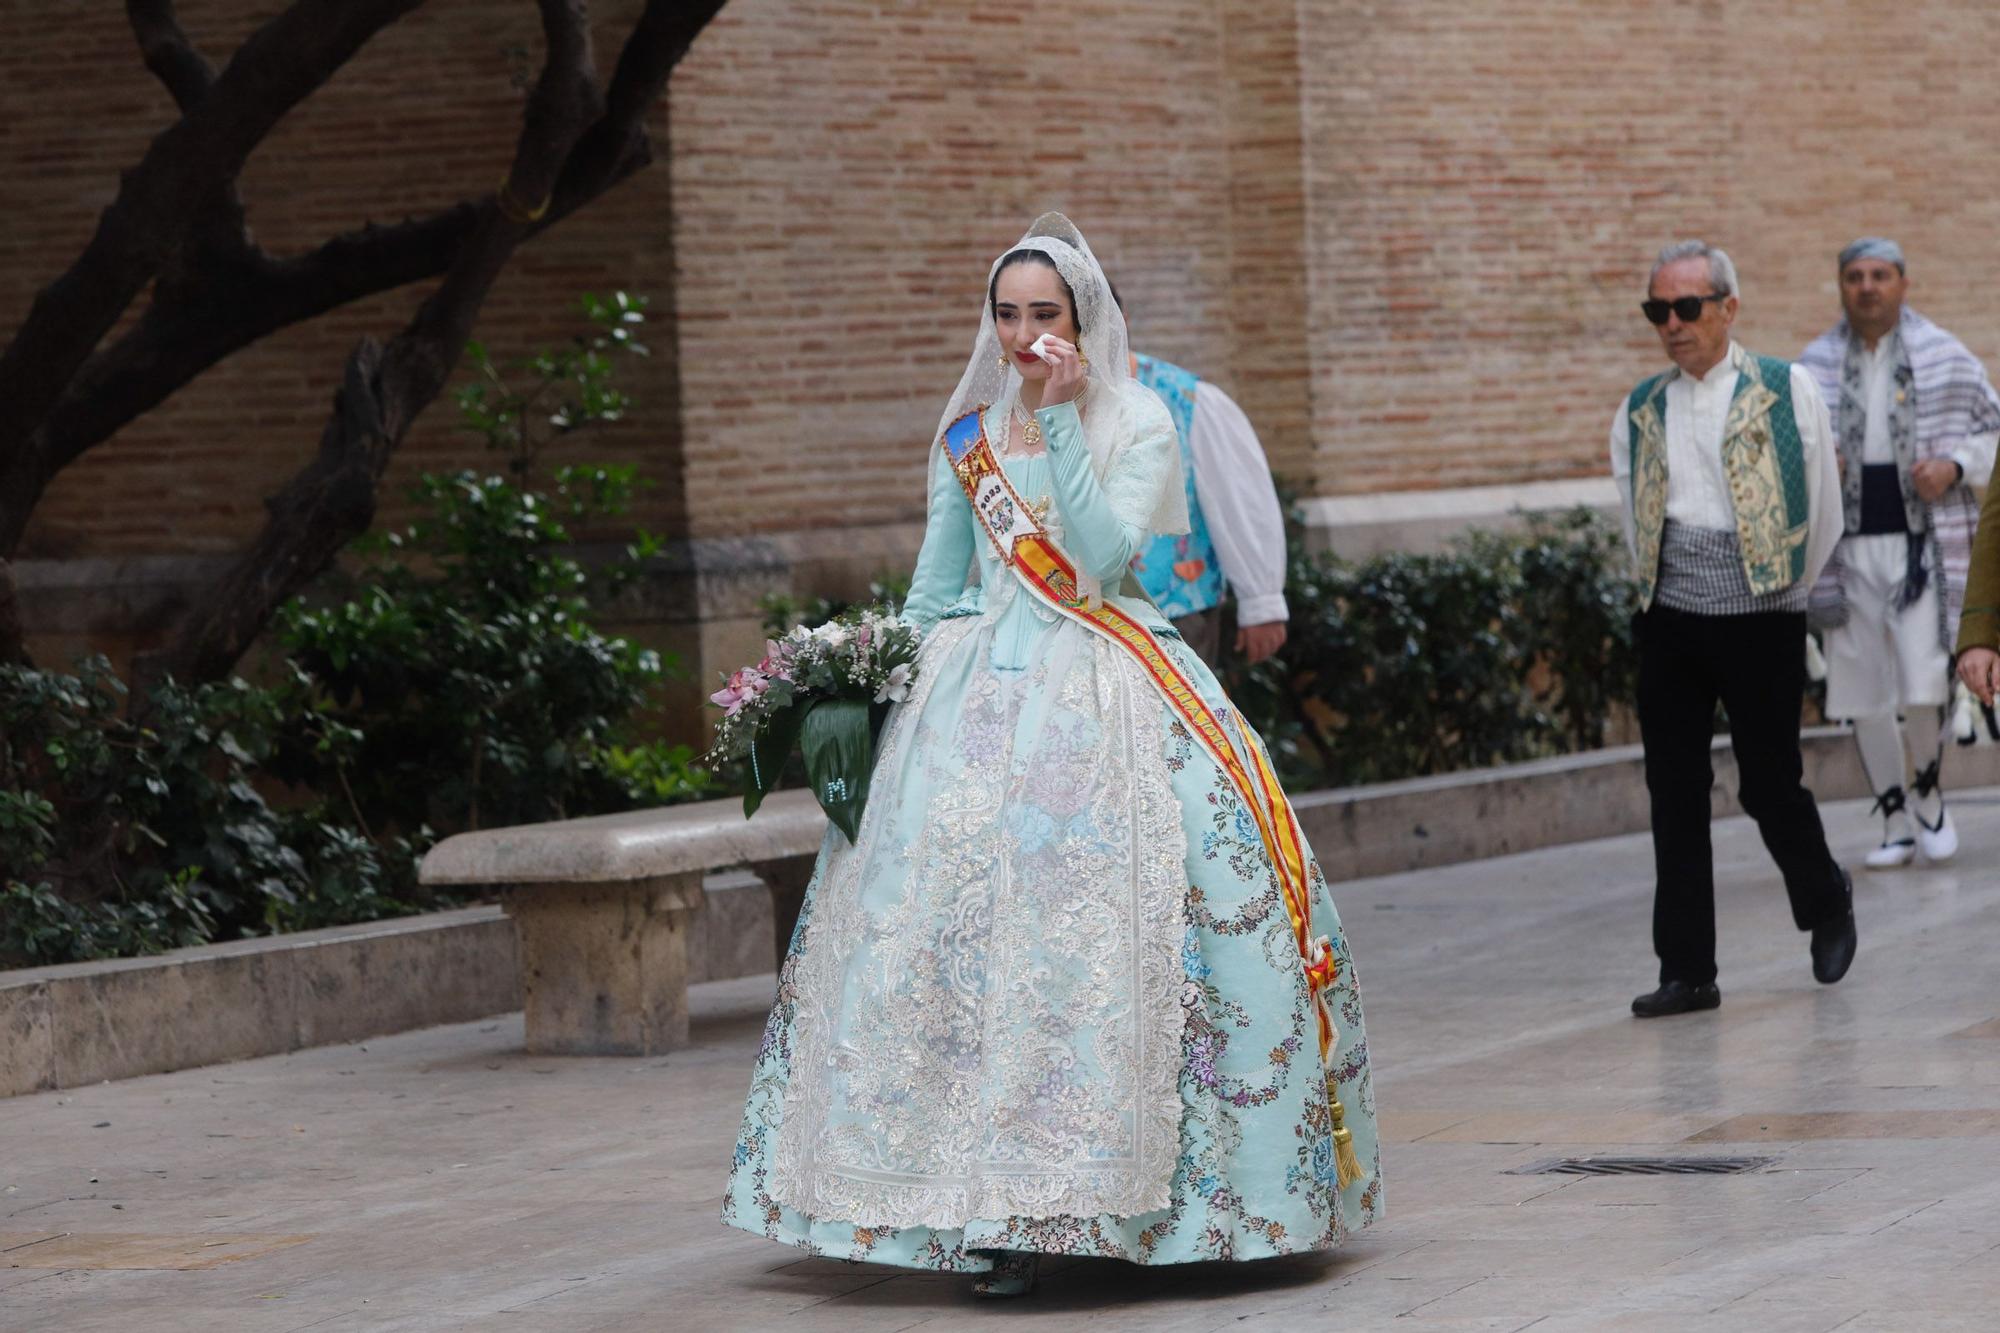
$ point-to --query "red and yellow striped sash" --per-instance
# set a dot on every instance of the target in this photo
(1026, 548)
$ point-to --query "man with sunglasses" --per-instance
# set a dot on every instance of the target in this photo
(1726, 467)
(1915, 419)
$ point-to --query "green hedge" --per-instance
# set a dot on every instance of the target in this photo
(454, 681)
(1504, 647)
(450, 678)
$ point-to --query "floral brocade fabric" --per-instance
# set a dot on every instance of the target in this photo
(1050, 1000)
(986, 989)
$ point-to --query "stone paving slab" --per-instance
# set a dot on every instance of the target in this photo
(444, 1180)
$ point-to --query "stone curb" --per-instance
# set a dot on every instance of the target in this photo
(86, 1022)
(1357, 832)
(61, 1027)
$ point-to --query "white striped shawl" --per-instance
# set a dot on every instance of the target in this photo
(1955, 401)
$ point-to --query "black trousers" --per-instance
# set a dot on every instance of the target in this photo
(1755, 666)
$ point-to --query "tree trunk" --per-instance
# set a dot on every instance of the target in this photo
(13, 637)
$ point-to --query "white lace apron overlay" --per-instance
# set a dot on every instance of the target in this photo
(988, 1016)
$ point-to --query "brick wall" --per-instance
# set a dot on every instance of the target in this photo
(845, 175)
(1408, 235)
(841, 173)
(1269, 370)
(1487, 185)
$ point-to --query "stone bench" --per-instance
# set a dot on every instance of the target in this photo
(603, 906)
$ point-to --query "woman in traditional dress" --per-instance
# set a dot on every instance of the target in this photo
(1077, 987)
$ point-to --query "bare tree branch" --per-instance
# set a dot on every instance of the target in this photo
(13, 639)
(167, 51)
(566, 102)
(616, 145)
(177, 180)
(577, 141)
(332, 500)
(176, 340)
(183, 334)
(217, 236)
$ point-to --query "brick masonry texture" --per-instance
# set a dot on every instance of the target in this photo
(1408, 236)
(1486, 185)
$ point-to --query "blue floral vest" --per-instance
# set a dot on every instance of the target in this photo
(1180, 574)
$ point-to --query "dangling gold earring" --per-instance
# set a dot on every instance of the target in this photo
(1001, 360)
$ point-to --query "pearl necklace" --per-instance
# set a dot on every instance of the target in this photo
(1031, 430)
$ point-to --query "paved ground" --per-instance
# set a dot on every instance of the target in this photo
(442, 1180)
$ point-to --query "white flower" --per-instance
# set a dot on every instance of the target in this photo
(897, 687)
(833, 634)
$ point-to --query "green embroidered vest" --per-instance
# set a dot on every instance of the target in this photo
(1762, 459)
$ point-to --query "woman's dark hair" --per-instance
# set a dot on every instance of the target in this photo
(1013, 257)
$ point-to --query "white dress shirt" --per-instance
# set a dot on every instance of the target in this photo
(1233, 483)
(1697, 486)
(1878, 383)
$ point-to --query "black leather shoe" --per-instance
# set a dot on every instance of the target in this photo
(1833, 943)
(1677, 997)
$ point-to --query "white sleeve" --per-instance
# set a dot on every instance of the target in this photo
(1232, 481)
(1975, 453)
(1621, 472)
(1825, 512)
(1975, 456)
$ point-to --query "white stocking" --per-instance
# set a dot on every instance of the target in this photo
(1880, 738)
(1926, 729)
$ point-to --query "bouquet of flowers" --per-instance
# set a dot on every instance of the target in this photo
(823, 692)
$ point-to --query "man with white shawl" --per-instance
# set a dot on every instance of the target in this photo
(1915, 421)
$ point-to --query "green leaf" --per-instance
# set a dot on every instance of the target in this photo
(769, 750)
(839, 752)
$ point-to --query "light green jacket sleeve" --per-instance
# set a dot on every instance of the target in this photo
(1104, 525)
(946, 558)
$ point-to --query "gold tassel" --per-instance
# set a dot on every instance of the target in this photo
(1346, 1162)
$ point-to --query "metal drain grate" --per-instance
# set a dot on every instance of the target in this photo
(1644, 1166)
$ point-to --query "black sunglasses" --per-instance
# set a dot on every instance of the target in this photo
(1687, 307)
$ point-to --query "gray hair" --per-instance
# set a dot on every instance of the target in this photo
(1721, 273)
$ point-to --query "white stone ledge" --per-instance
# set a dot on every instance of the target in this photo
(641, 844)
(79, 1023)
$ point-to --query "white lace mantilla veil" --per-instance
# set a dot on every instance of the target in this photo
(1114, 404)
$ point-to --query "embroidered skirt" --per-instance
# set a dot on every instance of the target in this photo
(1050, 999)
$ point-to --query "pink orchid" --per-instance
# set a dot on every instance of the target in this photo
(744, 686)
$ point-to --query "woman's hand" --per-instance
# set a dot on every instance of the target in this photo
(1066, 372)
